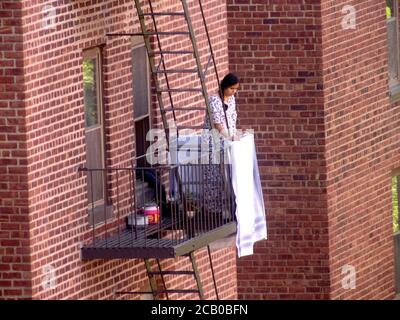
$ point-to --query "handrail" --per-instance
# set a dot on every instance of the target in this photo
(176, 215)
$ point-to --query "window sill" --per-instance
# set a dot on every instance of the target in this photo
(97, 215)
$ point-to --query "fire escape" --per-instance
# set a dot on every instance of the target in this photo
(182, 221)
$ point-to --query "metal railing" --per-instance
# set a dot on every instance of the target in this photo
(161, 206)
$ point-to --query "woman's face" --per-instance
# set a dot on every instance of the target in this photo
(230, 91)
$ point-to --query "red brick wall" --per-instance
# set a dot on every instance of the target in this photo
(14, 228)
(55, 145)
(328, 140)
(275, 48)
(362, 148)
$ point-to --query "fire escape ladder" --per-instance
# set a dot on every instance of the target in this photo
(157, 292)
(161, 75)
(159, 68)
(159, 289)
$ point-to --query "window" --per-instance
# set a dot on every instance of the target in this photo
(94, 131)
(392, 23)
(141, 100)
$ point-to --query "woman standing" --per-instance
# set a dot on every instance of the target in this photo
(224, 116)
(223, 109)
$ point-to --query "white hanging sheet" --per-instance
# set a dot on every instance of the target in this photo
(250, 210)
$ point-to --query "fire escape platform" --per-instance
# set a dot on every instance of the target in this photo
(127, 245)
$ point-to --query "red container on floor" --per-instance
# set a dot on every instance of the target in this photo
(153, 213)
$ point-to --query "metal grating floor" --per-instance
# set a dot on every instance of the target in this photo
(127, 245)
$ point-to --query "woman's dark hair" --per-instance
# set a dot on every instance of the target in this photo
(228, 81)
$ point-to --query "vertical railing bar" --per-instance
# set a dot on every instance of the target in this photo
(215, 200)
(184, 194)
(196, 192)
(227, 181)
(209, 209)
(222, 185)
(188, 195)
(203, 189)
(202, 194)
(174, 219)
(180, 202)
(162, 224)
(103, 174)
(171, 199)
(192, 203)
(131, 199)
(105, 221)
(144, 205)
(221, 190)
(224, 191)
(118, 212)
(194, 200)
(199, 192)
(92, 193)
(229, 195)
(158, 204)
(136, 201)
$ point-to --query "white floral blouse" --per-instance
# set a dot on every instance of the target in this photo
(218, 115)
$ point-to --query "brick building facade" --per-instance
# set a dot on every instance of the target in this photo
(316, 94)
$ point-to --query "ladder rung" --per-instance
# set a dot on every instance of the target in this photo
(172, 272)
(180, 90)
(160, 291)
(162, 33)
(174, 33)
(168, 109)
(171, 52)
(177, 71)
(177, 291)
(163, 14)
(133, 292)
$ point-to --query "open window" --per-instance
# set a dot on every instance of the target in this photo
(141, 100)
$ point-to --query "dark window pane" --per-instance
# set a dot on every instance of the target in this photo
(141, 128)
(140, 82)
(90, 92)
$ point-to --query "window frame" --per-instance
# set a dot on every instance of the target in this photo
(136, 44)
(99, 211)
(394, 89)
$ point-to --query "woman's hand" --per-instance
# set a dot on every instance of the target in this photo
(237, 137)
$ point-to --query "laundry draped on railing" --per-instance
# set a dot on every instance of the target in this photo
(250, 210)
